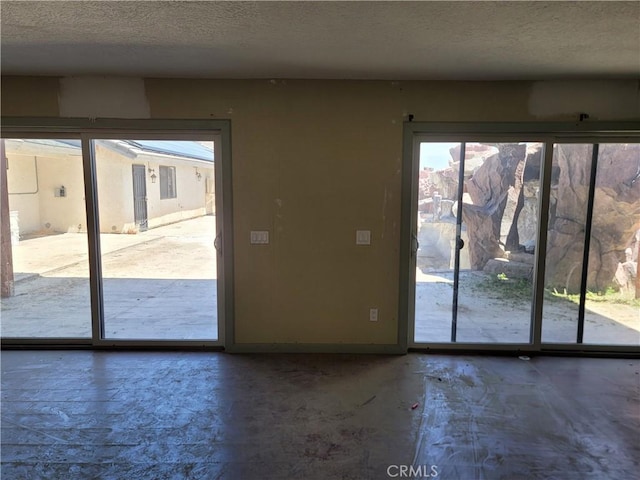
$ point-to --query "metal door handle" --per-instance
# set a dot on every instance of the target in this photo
(216, 244)
(416, 245)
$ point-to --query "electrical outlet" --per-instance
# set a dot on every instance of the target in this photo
(373, 314)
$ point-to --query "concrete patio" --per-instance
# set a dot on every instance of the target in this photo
(494, 318)
(158, 284)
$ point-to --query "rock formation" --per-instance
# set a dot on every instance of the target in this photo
(616, 215)
(494, 185)
(500, 208)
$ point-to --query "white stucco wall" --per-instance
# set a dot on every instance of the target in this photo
(62, 214)
(190, 200)
(115, 191)
(40, 210)
(23, 191)
(33, 181)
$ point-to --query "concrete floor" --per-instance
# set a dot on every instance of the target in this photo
(181, 415)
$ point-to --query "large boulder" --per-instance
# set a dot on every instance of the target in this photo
(527, 220)
(436, 245)
(487, 191)
(616, 215)
(500, 207)
(520, 219)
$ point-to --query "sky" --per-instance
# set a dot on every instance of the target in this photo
(435, 155)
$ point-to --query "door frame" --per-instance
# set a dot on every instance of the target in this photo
(547, 133)
(145, 225)
(87, 130)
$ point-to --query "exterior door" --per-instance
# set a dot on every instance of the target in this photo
(439, 233)
(521, 240)
(113, 281)
(499, 214)
(159, 285)
(140, 197)
(476, 227)
(45, 268)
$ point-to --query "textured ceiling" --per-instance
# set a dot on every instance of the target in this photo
(342, 40)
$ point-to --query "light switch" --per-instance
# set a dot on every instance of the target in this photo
(363, 237)
(259, 237)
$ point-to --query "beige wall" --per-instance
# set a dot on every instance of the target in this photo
(313, 161)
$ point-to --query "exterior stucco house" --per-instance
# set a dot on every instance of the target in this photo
(141, 184)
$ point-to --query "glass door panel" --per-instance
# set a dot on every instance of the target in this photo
(569, 197)
(500, 216)
(45, 269)
(156, 204)
(612, 303)
(607, 311)
(436, 227)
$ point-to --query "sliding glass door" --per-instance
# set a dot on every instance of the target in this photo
(45, 269)
(591, 281)
(612, 300)
(156, 205)
(477, 225)
(435, 247)
(499, 214)
(116, 237)
(488, 216)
